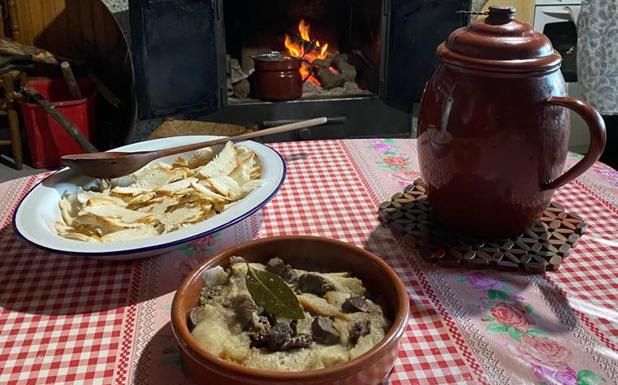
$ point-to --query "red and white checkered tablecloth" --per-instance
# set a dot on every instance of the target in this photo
(66, 319)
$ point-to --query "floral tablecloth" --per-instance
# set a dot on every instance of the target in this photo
(67, 319)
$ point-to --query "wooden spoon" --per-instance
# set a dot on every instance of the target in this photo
(115, 164)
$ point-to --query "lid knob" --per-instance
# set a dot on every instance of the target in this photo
(500, 14)
(500, 42)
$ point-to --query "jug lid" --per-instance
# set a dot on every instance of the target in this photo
(501, 43)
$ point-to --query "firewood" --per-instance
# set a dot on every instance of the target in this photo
(69, 127)
(329, 79)
(341, 56)
(242, 88)
(322, 63)
(340, 62)
(69, 78)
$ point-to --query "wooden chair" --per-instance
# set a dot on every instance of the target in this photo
(8, 108)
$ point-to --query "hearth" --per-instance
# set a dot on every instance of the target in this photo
(331, 46)
(364, 62)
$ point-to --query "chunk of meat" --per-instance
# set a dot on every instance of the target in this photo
(315, 284)
(324, 332)
(278, 335)
(358, 330)
(355, 304)
(278, 266)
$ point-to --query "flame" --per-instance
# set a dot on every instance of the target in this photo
(295, 50)
(309, 51)
(303, 28)
(305, 70)
(323, 51)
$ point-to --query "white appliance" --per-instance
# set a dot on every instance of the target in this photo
(554, 11)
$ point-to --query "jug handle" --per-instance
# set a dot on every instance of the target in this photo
(598, 137)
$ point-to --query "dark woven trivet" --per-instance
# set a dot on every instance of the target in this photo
(540, 249)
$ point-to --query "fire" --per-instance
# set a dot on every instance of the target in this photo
(306, 71)
(295, 50)
(306, 49)
(303, 28)
(323, 51)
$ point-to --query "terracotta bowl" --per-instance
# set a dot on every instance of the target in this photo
(299, 251)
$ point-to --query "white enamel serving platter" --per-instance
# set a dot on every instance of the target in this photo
(38, 211)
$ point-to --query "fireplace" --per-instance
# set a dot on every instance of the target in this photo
(337, 41)
(364, 62)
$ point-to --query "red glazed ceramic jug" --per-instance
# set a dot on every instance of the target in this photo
(494, 127)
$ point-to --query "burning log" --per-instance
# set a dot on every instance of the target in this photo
(322, 63)
(319, 66)
(329, 79)
(340, 62)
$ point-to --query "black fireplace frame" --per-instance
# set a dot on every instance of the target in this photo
(179, 57)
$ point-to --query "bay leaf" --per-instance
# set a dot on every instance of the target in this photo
(273, 294)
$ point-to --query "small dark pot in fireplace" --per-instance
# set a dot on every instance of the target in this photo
(277, 77)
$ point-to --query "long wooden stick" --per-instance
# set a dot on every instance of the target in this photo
(246, 136)
(69, 127)
(69, 78)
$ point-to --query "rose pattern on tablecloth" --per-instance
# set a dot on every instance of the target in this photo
(397, 162)
(391, 159)
(506, 312)
(481, 281)
(493, 351)
(513, 315)
(567, 377)
(543, 351)
(607, 173)
(552, 377)
(191, 255)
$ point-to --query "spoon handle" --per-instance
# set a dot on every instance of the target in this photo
(237, 138)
